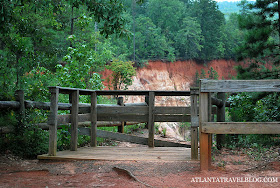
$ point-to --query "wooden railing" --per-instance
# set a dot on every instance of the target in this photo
(207, 128)
(146, 112)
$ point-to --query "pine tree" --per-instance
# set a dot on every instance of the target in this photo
(261, 23)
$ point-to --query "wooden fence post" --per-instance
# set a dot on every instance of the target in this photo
(221, 118)
(19, 94)
(194, 123)
(93, 142)
(205, 138)
(74, 119)
(121, 128)
(147, 102)
(52, 121)
(151, 122)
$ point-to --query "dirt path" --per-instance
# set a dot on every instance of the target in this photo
(233, 165)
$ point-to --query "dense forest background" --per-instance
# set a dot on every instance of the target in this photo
(73, 40)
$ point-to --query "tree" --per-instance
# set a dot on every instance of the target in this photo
(149, 41)
(232, 36)
(213, 74)
(27, 38)
(260, 21)
(211, 21)
(188, 39)
(202, 74)
(34, 33)
(122, 74)
(82, 63)
(260, 24)
(167, 15)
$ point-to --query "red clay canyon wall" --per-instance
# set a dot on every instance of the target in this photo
(178, 75)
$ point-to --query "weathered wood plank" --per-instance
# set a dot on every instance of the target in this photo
(151, 120)
(172, 118)
(65, 90)
(66, 119)
(74, 120)
(45, 126)
(240, 86)
(19, 94)
(123, 154)
(130, 138)
(172, 110)
(122, 110)
(136, 104)
(52, 121)
(241, 127)
(194, 143)
(194, 124)
(9, 104)
(221, 117)
(205, 142)
(93, 118)
(121, 128)
(141, 110)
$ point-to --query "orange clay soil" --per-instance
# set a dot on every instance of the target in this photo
(231, 164)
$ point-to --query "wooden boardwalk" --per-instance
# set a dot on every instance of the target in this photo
(124, 153)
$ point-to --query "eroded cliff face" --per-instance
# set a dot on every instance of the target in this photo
(179, 76)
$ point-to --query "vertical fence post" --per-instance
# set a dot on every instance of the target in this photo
(147, 102)
(74, 119)
(19, 94)
(93, 111)
(194, 123)
(52, 121)
(121, 128)
(221, 118)
(151, 120)
(205, 138)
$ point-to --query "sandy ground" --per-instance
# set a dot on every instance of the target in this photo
(231, 168)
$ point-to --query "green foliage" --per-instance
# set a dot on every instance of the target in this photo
(232, 36)
(267, 108)
(260, 22)
(164, 132)
(251, 141)
(241, 108)
(211, 21)
(122, 74)
(36, 84)
(33, 41)
(170, 30)
(150, 43)
(189, 38)
(202, 74)
(29, 143)
(64, 139)
(213, 74)
(246, 108)
(128, 129)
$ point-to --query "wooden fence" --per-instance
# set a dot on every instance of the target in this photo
(147, 112)
(121, 114)
(207, 128)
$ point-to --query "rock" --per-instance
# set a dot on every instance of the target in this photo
(171, 130)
